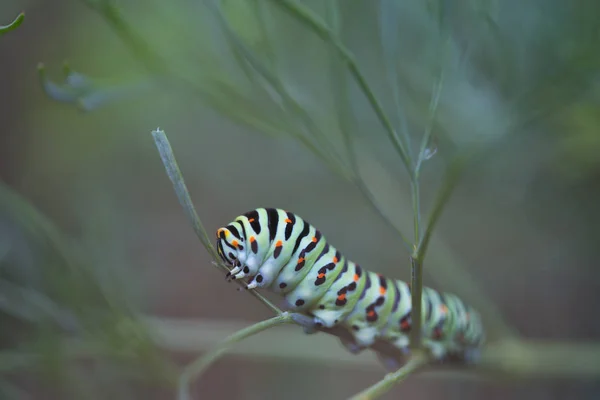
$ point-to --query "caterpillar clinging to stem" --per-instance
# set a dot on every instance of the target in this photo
(279, 251)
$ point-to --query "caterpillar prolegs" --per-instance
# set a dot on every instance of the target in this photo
(280, 251)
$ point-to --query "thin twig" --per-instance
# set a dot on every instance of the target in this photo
(513, 358)
(416, 362)
(174, 173)
(312, 20)
(389, 34)
(416, 271)
(346, 125)
(453, 174)
(323, 148)
(416, 313)
(196, 368)
(158, 68)
(13, 25)
(139, 47)
(433, 106)
(415, 190)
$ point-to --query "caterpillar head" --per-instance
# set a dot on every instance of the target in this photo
(229, 244)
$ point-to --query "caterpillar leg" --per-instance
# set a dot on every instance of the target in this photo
(366, 336)
(438, 350)
(309, 324)
(266, 275)
(472, 355)
(351, 345)
(237, 267)
(249, 269)
(390, 363)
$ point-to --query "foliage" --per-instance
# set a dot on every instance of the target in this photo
(63, 311)
(246, 76)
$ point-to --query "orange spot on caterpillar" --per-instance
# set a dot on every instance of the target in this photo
(288, 221)
(223, 231)
(443, 309)
(314, 239)
(356, 277)
(278, 244)
(371, 313)
(382, 290)
(342, 297)
(335, 259)
(301, 259)
(235, 243)
(252, 239)
(251, 220)
(405, 325)
(321, 275)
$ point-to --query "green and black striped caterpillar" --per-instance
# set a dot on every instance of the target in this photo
(278, 250)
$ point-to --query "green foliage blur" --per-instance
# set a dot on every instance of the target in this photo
(92, 238)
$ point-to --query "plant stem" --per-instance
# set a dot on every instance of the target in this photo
(306, 16)
(323, 148)
(174, 173)
(197, 367)
(416, 362)
(346, 122)
(416, 289)
(13, 25)
(433, 105)
(416, 259)
(416, 203)
(416, 270)
(139, 47)
(453, 174)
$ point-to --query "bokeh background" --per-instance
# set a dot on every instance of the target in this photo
(518, 238)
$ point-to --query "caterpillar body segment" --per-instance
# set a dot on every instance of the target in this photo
(279, 251)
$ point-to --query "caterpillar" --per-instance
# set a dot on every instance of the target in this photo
(279, 251)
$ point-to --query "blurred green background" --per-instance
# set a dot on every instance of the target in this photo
(519, 233)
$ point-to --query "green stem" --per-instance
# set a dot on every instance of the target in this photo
(174, 173)
(346, 124)
(306, 16)
(452, 176)
(196, 368)
(323, 148)
(139, 47)
(433, 106)
(13, 25)
(416, 275)
(418, 361)
(416, 203)
(416, 287)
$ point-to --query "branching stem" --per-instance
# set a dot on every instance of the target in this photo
(416, 362)
(453, 174)
(197, 367)
(314, 22)
(346, 124)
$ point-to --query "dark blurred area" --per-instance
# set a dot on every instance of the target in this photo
(92, 236)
